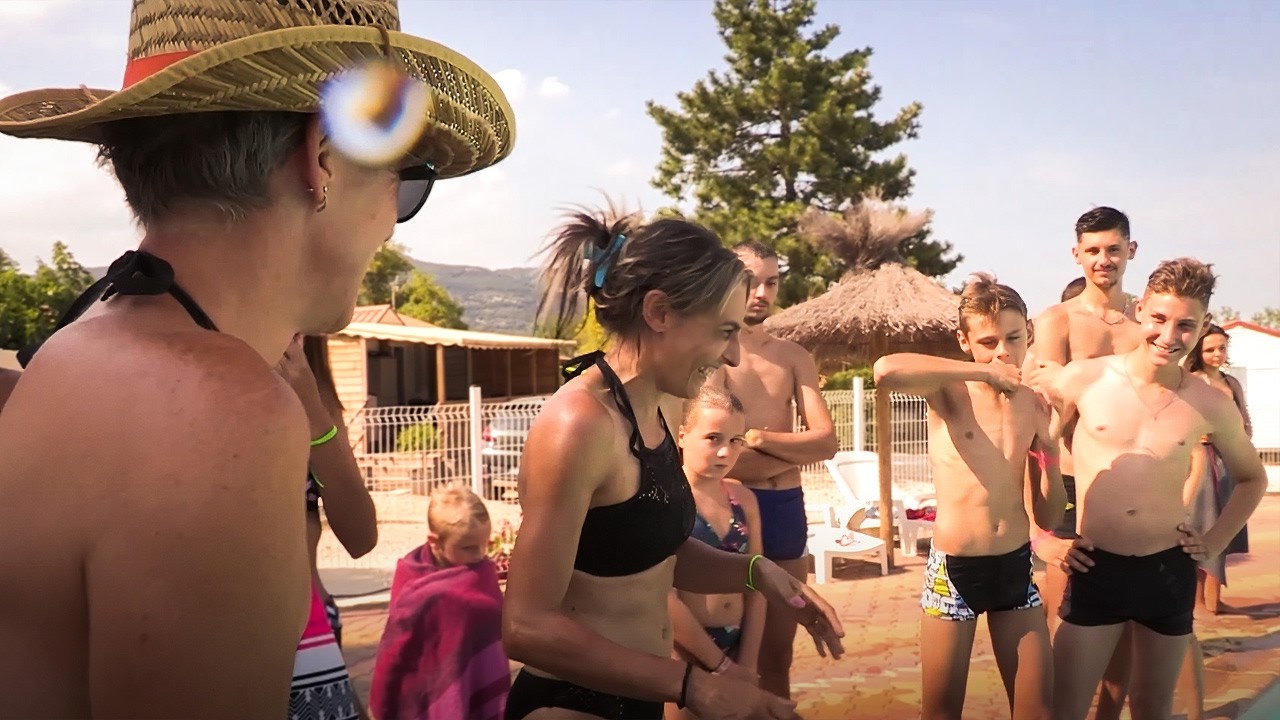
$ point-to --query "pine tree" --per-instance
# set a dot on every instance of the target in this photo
(784, 129)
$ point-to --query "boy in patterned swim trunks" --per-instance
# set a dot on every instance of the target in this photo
(982, 424)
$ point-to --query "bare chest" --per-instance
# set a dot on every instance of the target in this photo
(1089, 336)
(765, 385)
(1158, 422)
(981, 424)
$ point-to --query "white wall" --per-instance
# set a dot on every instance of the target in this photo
(1255, 361)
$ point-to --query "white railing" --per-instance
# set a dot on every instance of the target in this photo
(408, 451)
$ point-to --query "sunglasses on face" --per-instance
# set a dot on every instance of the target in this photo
(415, 186)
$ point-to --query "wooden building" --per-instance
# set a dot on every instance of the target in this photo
(385, 359)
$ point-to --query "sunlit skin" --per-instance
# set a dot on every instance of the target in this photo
(613, 633)
(710, 443)
(1170, 327)
(774, 374)
(1103, 257)
(982, 421)
(1213, 352)
(1138, 421)
(1094, 323)
(1005, 340)
(461, 548)
(763, 292)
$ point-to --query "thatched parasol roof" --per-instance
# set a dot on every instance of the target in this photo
(881, 305)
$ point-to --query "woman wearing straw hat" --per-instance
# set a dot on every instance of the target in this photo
(154, 563)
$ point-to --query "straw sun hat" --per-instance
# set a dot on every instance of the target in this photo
(190, 56)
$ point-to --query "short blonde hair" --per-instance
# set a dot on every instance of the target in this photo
(455, 509)
(1183, 277)
(712, 397)
(984, 297)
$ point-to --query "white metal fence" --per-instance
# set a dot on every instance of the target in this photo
(415, 449)
(406, 452)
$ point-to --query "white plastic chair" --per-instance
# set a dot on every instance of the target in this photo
(857, 478)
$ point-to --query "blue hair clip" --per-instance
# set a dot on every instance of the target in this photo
(604, 259)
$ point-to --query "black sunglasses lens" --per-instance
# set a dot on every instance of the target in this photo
(413, 194)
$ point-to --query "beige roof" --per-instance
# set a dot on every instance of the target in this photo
(433, 335)
(894, 300)
(893, 308)
(384, 314)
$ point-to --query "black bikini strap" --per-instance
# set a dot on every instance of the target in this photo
(137, 272)
(575, 367)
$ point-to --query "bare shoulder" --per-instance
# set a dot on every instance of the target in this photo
(1090, 369)
(1216, 406)
(186, 380)
(577, 409)
(792, 352)
(175, 460)
(1080, 375)
(1055, 315)
(741, 494)
(574, 434)
(142, 406)
(8, 381)
(1051, 328)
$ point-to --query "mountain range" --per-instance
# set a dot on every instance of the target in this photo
(492, 300)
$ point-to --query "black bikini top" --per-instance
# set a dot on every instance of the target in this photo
(137, 272)
(632, 536)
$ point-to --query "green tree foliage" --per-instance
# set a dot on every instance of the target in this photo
(425, 299)
(1267, 317)
(393, 280)
(786, 128)
(389, 268)
(587, 333)
(30, 305)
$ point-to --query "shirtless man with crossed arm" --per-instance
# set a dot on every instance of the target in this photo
(1138, 419)
(772, 373)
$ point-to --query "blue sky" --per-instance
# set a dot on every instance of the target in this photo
(1033, 113)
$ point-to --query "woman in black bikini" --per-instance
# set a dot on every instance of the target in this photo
(607, 509)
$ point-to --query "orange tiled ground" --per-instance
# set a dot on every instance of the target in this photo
(880, 677)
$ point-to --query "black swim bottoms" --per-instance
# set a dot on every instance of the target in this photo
(1157, 591)
(531, 692)
(1067, 528)
(962, 588)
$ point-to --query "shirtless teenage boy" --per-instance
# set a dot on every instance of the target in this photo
(772, 373)
(1138, 417)
(1095, 322)
(982, 423)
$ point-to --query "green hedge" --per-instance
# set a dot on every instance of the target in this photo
(843, 380)
(417, 438)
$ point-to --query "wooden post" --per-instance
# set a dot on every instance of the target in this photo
(440, 384)
(533, 371)
(508, 354)
(884, 452)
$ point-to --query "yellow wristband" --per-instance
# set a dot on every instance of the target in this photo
(331, 434)
(751, 566)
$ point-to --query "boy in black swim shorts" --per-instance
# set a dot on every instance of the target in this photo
(982, 424)
(1137, 421)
